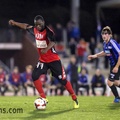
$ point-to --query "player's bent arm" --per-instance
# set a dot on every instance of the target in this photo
(20, 25)
(50, 45)
(118, 62)
(100, 54)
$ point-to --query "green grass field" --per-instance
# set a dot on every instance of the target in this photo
(60, 108)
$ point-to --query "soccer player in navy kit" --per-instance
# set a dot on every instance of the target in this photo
(48, 58)
(111, 49)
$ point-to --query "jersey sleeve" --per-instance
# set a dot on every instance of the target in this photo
(115, 46)
(50, 35)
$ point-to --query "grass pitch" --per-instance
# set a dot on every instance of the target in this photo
(59, 108)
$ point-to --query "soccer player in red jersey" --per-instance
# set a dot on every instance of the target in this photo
(48, 58)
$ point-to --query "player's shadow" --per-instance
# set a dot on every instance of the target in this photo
(42, 114)
(114, 106)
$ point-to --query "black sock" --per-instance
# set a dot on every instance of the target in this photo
(114, 91)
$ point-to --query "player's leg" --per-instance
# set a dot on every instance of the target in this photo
(113, 88)
(59, 72)
(39, 69)
(114, 91)
(117, 81)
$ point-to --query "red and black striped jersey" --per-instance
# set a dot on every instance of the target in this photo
(42, 40)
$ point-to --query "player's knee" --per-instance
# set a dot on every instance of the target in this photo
(34, 76)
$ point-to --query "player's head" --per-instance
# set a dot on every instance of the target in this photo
(106, 33)
(39, 22)
(107, 30)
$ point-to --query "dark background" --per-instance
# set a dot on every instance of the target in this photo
(58, 11)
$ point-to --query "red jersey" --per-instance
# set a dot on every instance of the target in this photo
(2, 77)
(16, 77)
(42, 40)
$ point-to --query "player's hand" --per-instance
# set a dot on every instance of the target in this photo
(11, 22)
(115, 70)
(90, 57)
(44, 50)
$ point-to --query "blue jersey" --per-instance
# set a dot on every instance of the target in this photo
(112, 50)
(83, 79)
(15, 79)
(26, 77)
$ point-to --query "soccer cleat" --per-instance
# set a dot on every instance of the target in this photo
(46, 100)
(116, 100)
(76, 104)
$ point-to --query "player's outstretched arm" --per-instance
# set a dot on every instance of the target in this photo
(100, 54)
(20, 25)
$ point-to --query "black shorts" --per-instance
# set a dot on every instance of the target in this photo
(114, 76)
(56, 68)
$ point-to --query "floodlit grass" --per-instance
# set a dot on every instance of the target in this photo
(60, 108)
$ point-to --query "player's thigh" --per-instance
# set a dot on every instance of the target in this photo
(117, 78)
(40, 68)
(117, 82)
(57, 70)
(114, 76)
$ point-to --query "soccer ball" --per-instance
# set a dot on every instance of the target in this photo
(40, 103)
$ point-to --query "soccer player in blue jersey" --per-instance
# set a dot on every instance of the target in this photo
(111, 49)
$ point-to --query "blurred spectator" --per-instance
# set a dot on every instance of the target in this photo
(59, 33)
(83, 82)
(81, 51)
(72, 71)
(97, 50)
(84, 66)
(27, 79)
(92, 46)
(73, 31)
(72, 46)
(60, 48)
(56, 87)
(3, 84)
(117, 38)
(98, 81)
(15, 80)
